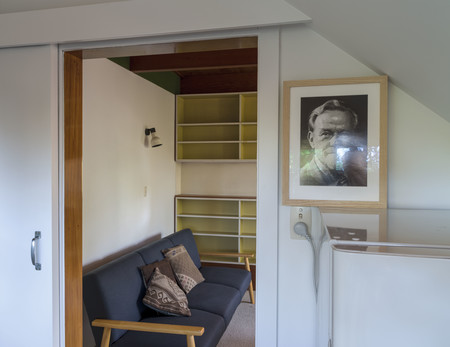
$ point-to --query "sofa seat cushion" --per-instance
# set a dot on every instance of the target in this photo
(214, 328)
(215, 298)
(231, 277)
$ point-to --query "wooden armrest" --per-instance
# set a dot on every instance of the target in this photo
(228, 254)
(108, 324)
(149, 327)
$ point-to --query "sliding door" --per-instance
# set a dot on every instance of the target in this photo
(29, 297)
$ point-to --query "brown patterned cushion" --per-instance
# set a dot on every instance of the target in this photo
(187, 273)
(164, 267)
(163, 295)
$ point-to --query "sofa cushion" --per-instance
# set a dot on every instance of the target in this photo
(152, 252)
(215, 298)
(187, 273)
(164, 267)
(186, 238)
(115, 291)
(214, 328)
(163, 295)
(232, 277)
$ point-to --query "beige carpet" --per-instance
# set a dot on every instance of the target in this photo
(241, 330)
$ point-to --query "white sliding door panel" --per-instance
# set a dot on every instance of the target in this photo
(28, 196)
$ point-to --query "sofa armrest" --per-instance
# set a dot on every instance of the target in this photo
(107, 324)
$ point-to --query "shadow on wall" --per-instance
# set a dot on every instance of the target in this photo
(88, 338)
(111, 257)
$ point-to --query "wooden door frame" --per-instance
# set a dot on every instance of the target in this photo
(73, 202)
(73, 158)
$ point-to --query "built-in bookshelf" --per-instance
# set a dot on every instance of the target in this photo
(219, 224)
(216, 127)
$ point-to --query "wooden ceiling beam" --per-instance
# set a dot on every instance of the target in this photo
(231, 58)
(220, 83)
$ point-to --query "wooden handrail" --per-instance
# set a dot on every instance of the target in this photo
(108, 324)
(228, 254)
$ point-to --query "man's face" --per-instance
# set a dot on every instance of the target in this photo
(327, 129)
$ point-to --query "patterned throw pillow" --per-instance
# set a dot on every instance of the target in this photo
(164, 267)
(163, 295)
(187, 273)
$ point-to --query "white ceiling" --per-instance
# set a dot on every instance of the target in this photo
(408, 40)
(9, 6)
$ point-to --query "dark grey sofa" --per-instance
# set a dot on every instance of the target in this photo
(113, 296)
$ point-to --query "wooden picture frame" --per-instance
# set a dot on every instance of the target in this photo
(335, 142)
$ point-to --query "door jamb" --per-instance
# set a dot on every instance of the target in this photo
(71, 107)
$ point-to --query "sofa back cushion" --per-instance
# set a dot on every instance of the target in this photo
(186, 238)
(152, 252)
(115, 291)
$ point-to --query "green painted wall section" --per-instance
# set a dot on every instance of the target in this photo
(122, 61)
(169, 81)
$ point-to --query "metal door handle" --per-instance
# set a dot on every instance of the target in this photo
(34, 246)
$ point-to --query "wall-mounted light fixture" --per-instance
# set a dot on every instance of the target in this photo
(155, 141)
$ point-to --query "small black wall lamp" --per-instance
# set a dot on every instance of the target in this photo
(155, 141)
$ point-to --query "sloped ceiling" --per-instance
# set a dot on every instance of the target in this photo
(408, 40)
(10, 6)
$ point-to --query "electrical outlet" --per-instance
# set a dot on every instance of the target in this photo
(300, 222)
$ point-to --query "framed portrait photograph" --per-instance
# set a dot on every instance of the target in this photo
(334, 142)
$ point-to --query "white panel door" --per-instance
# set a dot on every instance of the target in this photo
(28, 196)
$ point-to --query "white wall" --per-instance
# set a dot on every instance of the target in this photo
(237, 179)
(128, 188)
(418, 166)
(418, 155)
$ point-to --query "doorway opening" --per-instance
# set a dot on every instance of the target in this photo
(188, 67)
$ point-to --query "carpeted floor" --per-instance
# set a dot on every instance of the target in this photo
(241, 330)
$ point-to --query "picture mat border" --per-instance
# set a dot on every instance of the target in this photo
(290, 195)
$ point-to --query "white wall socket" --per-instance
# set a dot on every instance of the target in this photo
(302, 215)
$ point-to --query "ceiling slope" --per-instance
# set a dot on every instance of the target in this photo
(11, 6)
(408, 40)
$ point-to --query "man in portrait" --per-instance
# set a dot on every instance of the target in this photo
(337, 150)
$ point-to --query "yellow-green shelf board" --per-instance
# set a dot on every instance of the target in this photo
(217, 160)
(194, 124)
(215, 216)
(212, 234)
(208, 142)
(217, 261)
